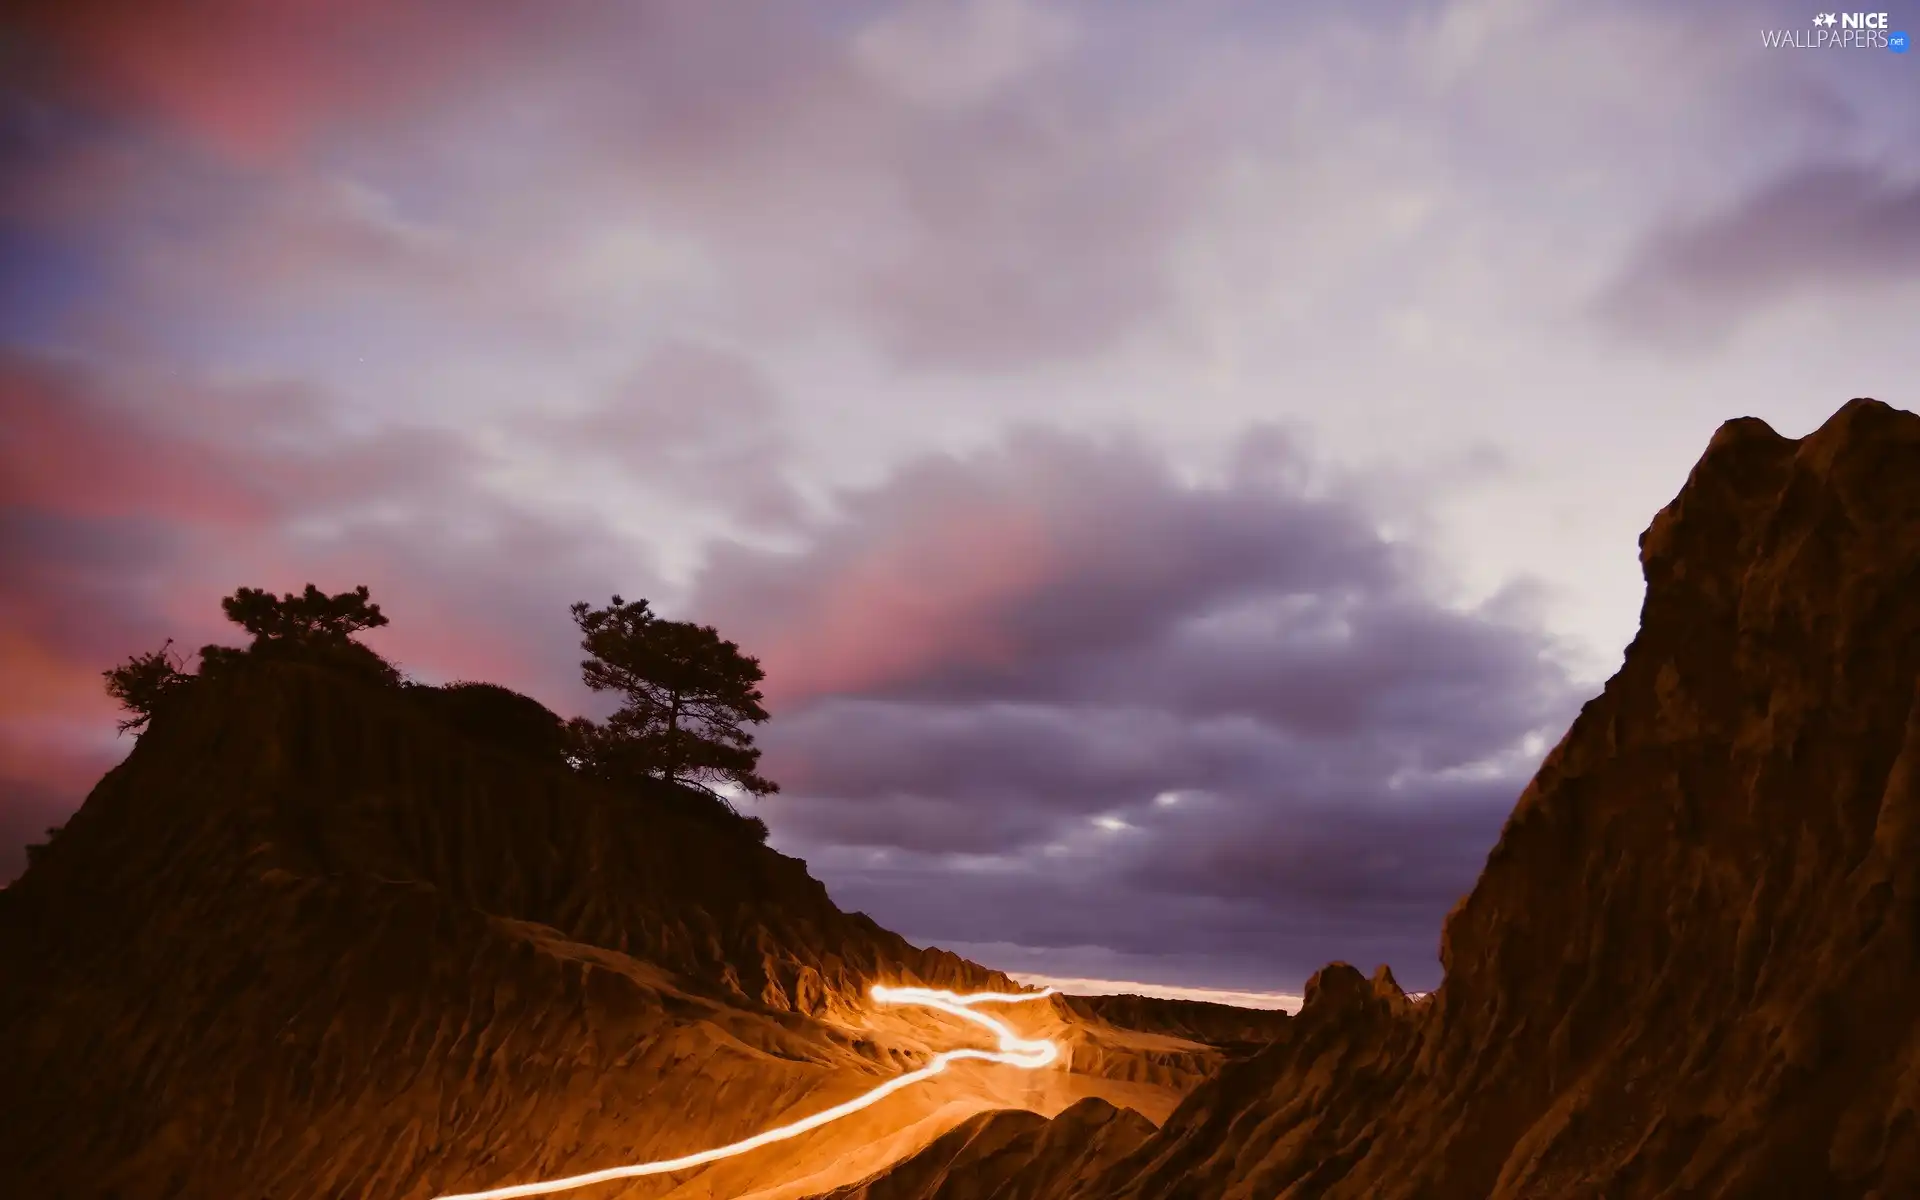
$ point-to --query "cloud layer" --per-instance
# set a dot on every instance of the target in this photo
(1835, 228)
(934, 350)
(1056, 691)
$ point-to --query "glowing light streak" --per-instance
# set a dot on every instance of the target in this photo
(1029, 1054)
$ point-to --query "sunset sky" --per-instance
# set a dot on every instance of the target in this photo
(1179, 464)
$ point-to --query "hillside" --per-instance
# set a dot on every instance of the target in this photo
(1689, 966)
(1010, 1155)
(311, 941)
(1222, 1025)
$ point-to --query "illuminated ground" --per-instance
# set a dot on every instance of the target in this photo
(825, 1141)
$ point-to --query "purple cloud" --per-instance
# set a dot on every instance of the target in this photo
(1058, 695)
(1825, 228)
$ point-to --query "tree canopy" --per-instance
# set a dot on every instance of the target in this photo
(689, 696)
(310, 626)
(143, 682)
(310, 616)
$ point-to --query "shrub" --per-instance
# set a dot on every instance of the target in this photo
(500, 717)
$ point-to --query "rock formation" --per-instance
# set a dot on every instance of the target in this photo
(1690, 966)
(310, 940)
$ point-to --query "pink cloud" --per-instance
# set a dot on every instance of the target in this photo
(122, 523)
(62, 447)
(924, 597)
(39, 685)
(1043, 548)
(255, 77)
(921, 575)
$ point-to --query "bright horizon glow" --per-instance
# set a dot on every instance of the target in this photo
(1029, 1054)
(1073, 986)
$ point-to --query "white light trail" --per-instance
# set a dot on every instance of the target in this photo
(1029, 1054)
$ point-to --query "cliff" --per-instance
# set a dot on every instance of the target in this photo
(1689, 966)
(308, 941)
(321, 938)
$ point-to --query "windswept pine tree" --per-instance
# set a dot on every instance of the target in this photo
(689, 697)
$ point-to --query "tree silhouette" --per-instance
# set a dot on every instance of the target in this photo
(143, 683)
(689, 695)
(311, 616)
(309, 626)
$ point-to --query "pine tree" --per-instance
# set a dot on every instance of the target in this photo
(689, 696)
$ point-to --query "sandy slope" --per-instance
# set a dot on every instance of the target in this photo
(1142, 1071)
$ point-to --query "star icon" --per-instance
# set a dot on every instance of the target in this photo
(1824, 19)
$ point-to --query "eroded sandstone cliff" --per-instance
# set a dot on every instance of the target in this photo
(311, 941)
(1690, 966)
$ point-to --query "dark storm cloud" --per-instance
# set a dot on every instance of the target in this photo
(1059, 694)
(1227, 893)
(1824, 227)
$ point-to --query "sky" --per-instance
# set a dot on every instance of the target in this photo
(1180, 466)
